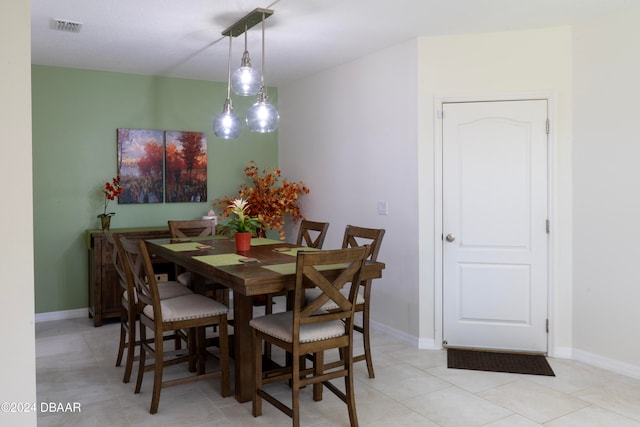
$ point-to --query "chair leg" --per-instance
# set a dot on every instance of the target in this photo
(123, 335)
(192, 348)
(366, 337)
(131, 348)
(318, 369)
(177, 341)
(349, 392)
(158, 358)
(295, 390)
(143, 358)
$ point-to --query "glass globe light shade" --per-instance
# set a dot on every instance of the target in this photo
(262, 117)
(246, 81)
(226, 125)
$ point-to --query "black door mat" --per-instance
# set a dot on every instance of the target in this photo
(481, 360)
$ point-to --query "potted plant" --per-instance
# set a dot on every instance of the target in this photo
(268, 198)
(241, 225)
(111, 190)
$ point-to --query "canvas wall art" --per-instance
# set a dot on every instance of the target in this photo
(140, 165)
(185, 166)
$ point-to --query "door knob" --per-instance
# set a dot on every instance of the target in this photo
(450, 237)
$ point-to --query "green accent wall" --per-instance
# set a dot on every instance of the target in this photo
(75, 117)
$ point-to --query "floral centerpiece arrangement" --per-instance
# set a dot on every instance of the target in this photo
(111, 190)
(267, 198)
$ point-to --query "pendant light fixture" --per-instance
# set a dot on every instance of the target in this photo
(227, 124)
(245, 81)
(262, 116)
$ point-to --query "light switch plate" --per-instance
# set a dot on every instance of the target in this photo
(382, 207)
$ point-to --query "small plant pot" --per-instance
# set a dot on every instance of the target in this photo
(243, 242)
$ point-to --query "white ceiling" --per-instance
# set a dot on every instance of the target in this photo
(182, 38)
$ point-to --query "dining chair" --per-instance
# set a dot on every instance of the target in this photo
(130, 308)
(355, 236)
(308, 330)
(310, 234)
(191, 312)
(197, 228)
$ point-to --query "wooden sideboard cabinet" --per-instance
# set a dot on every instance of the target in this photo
(104, 290)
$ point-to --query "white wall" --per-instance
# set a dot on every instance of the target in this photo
(494, 65)
(364, 131)
(606, 196)
(16, 220)
(351, 134)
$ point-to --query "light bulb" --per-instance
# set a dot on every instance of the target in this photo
(227, 125)
(262, 117)
(246, 81)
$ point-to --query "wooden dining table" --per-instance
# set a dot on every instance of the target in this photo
(268, 267)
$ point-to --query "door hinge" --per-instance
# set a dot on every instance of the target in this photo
(547, 325)
(548, 226)
(548, 126)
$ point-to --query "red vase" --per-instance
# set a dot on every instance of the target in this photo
(243, 242)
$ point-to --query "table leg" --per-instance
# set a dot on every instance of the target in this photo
(243, 347)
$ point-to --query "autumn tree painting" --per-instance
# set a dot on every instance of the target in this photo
(186, 166)
(140, 159)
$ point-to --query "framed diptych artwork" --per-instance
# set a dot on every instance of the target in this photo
(158, 166)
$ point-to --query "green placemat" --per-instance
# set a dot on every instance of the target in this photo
(198, 238)
(220, 259)
(257, 241)
(294, 251)
(185, 246)
(290, 267)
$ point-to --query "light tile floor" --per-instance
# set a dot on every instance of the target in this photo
(76, 363)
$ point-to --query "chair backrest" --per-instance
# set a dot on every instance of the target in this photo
(312, 233)
(120, 264)
(358, 236)
(309, 266)
(192, 228)
(141, 270)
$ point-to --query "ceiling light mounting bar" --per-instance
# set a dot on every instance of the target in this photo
(251, 19)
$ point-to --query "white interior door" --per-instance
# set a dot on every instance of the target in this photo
(495, 241)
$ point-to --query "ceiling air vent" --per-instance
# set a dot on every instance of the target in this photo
(64, 25)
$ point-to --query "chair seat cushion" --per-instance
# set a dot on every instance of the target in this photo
(313, 293)
(186, 307)
(172, 289)
(186, 279)
(279, 325)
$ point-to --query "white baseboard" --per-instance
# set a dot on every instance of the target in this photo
(562, 353)
(61, 315)
(613, 365)
(401, 335)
